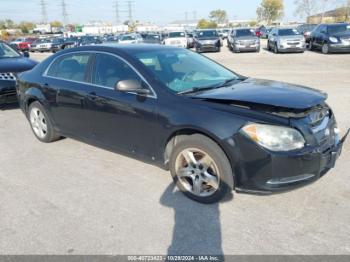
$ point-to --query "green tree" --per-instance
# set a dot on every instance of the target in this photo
(218, 16)
(9, 24)
(26, 26)
(270, 10)
(205, 24)
(56, 24)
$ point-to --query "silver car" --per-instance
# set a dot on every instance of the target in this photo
(283, 40)
(243, 39)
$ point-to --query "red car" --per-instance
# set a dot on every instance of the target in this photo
(25, 44)
(258, 33)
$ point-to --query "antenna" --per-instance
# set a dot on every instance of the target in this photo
(43, 11)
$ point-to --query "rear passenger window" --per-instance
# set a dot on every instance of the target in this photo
(70, 67)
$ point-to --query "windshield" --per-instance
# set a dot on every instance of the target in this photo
(127, 37)
(42, 41)
(152, 37)
(176, 34)
(245, 32)
(334, 29)
(7, 52)
(208, 33)
(183, 70)
(286, 32)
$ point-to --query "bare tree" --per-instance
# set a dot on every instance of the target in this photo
(306, 8)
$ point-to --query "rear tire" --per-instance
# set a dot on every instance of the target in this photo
(41, 124)
(200, 169)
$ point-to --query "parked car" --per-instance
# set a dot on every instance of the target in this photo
(153, 38)
(23, 44)
(306, 30)
(243, 39)
(178, 39)
(41, 45)
(112, 39)
(258, 33)
(283, 40)
(223, 33)
(57, 44)
(214, 129)
(90, 40)
(130, 39)
(207, 40)
(190, 40)
(265, 31)
(71, 42)
(11, 63)
(331, 38)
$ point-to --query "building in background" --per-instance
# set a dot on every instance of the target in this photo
(337, 15)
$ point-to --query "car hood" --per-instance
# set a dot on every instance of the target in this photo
(246, 38)
(291, 37)
(266, 92)
(342, 34)
(207, 38)
(16, 65)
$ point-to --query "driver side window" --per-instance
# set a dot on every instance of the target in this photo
(109, 70)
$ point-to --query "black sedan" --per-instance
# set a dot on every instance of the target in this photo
(331, 38)
(207, 40)
(11, 63)
(214, 129)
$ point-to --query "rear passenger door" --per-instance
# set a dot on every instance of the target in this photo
(68, 77)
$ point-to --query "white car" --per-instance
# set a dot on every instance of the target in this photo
(130, 39)
(178, 39)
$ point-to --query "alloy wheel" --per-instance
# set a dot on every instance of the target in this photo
(38, 122)
(197, 172)
(325, 49)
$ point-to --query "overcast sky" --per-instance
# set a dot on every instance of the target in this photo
(158, 11)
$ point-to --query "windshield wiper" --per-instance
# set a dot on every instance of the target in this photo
(200, 89)
(196, 89)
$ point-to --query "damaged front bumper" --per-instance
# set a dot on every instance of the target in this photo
(263, 171)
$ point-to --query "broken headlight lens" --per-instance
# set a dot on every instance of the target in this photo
(275, 138)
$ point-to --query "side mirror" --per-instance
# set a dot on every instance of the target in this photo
(133, 86)
(26, 54)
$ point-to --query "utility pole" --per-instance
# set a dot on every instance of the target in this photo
(117, 17)
(194, 15)
(130, 9)
(43, 11)
(64, 12)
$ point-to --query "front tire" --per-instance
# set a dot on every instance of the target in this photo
(41, 124)
(325, 48)
(201, 169)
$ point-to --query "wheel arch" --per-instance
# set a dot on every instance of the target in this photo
(175, 137)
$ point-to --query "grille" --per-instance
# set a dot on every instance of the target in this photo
(7, 76)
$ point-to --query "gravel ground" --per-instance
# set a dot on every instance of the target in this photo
(70, 198)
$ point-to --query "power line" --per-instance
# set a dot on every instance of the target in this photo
(43, 11)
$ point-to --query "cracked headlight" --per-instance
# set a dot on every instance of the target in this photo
(274, 138)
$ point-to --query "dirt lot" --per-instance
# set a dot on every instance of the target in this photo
(69, 197)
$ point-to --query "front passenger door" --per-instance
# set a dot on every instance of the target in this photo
(119, 120)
